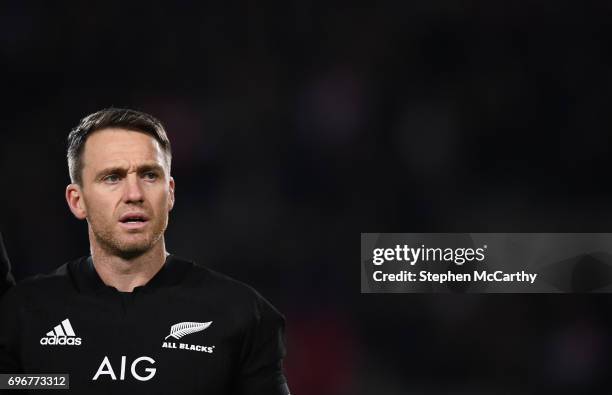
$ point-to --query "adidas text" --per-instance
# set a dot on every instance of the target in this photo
(60, 341)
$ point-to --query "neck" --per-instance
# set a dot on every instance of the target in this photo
(127, 274)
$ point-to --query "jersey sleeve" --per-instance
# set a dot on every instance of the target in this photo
(9, 333)
(261, 371)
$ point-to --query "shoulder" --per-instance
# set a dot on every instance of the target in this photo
(57, 282)
(226, 290)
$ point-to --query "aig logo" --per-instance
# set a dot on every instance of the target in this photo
(107, 369)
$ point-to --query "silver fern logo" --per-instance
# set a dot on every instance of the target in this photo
(186, 328)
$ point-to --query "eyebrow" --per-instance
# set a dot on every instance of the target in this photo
(122, 170)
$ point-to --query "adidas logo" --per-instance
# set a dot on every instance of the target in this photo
(61, 335)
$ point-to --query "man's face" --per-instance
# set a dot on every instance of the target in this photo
(126, 192)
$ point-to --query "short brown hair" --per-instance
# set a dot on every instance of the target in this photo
(112, 118)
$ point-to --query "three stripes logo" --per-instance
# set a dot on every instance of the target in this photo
(61, 335)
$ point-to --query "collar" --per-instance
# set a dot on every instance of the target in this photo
(87, 279)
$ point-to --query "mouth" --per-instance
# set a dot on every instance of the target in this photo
(133, 220)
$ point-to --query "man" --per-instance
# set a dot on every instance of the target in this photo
(132, 318)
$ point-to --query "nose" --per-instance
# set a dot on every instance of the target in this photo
(133, 190)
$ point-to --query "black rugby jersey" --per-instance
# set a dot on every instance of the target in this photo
(189, 330)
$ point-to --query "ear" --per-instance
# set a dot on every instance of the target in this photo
(171, 192)
(74, 197)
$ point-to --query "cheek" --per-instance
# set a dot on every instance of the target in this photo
(162, 208)
(162, 202)
(99, 210)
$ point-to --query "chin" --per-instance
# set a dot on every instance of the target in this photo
(127, 246)
(130, 254)
(128, 249)
(133, 250)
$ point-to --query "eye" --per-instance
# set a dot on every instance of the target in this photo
(150, 175)
(111, 179)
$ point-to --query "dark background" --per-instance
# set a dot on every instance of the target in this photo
(298, 125)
